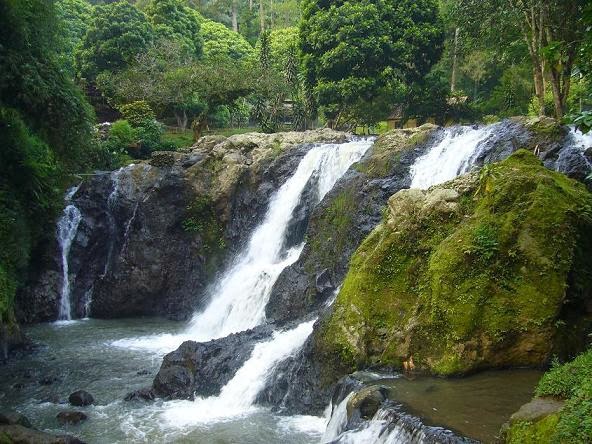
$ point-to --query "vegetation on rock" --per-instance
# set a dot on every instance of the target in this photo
(489, 270)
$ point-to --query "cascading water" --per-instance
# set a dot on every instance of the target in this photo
(454, 155)
(578, 143)
(239, 299)
(66, 231)
(238, 396)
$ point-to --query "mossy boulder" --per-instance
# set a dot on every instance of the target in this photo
(490, 270)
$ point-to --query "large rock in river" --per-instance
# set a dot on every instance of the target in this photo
(490, 270)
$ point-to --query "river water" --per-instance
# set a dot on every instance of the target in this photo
(85, 355)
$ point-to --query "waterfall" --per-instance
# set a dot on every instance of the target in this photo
(239, 298)
(455, 154)
(337, 421)
(383, 429)
(66, 231)
(238, 396)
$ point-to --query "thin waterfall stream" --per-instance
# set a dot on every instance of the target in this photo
(66, 231)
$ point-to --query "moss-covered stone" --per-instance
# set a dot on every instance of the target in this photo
(489, 270)
(528, 432)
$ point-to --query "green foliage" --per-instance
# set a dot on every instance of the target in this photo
(117, 34)
(75, 18)
(219, 41)
(122, 134)
(572, 382)
(359, 55)
(174, 20)
(201, 220)
(564, 381)
(137, 113)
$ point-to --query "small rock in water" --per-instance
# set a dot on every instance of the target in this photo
(49, 380)
(71, 417)
(143, 394)
(143, 372)
(81, 398)
(18, 386)
(14, 418)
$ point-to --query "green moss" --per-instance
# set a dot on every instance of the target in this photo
(540, 432)
(201, 219)
(481, 286)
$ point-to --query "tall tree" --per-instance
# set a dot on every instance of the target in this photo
(118, 32)
(174, 20)
(552, 30)
(359, 54)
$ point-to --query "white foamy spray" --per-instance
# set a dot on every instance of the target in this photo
(453, 155)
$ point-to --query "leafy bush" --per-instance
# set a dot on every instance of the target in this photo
(137, 113)
(563, 381)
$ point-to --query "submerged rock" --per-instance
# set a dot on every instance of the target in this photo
(143, 394)
(71, 417)
(81, 398)
(20, 434)
(14, 418)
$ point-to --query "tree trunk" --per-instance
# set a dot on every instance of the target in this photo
(250, 5)
(261, 16)
(198, 126)
(234, 16)
(181, 119)
(271, 12)
(454, 61)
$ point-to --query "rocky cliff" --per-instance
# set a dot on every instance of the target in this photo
(154, 234)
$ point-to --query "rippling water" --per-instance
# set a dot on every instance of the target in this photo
(85, 355)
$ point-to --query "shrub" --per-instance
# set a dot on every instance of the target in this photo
(137, 113)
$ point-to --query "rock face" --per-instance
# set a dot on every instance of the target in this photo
(489, 270)
(204, 368)
(339, 223)
(153, 235)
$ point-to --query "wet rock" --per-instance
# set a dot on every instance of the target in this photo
(143, 394)
(365, 403)
(323, 282)
(14, 418)
(537, 409)
(20, 434)
(71, 417)
(81, 398)
(143, 372)
(204, 368)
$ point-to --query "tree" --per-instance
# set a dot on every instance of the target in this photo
(552, 30)
(219, 41)
(359, 55)
(46, 133)
(174, 20)
(75, 18)
(118, 32)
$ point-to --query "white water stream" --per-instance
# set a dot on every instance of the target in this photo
(66, 231)
(454, 155)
